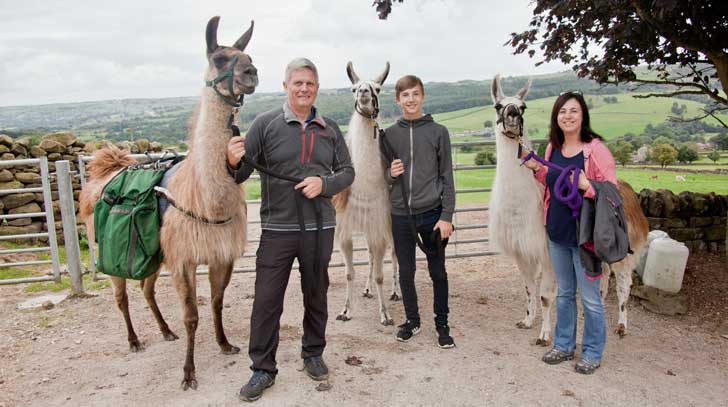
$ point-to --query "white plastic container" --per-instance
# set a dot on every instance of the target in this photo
(655, 234)
(665, 266)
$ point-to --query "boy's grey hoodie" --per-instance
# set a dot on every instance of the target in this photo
(424, 148)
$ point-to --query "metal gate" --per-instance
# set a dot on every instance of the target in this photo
(47, 213)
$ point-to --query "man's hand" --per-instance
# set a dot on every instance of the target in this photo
(396, 169)
(445, 228)
(235, 150)
(311, 187)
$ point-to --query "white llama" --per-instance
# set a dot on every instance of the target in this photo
(516, 210)
(364, 206)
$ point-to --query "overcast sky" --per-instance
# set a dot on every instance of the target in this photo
(77, 50)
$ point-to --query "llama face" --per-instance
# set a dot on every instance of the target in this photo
(221, 59)
(366, 93)
(509, 109)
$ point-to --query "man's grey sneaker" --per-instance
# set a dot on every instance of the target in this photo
(257, 384)
(407, 331)
(555, 356)
(316, 368)
(586, 366)
(444, 340)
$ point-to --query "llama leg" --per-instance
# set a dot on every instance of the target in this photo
(528, 272)
(186, 284)
(396, 293)
(548, 294)
(148, 289)
(346, 245)
(122, 301)
(604, 284)
(219, 279)
(623, 275)
(368, 289)
(376, 260)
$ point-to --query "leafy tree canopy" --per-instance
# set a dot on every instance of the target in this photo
(607, 40)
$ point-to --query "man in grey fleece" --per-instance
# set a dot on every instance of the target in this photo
(294, 140)
(420, 150)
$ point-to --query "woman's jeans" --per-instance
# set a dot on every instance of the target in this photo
(404, 246)
(570, 275)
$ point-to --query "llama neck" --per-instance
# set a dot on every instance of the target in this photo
(364, 151)
(208, 144)
(508, 163)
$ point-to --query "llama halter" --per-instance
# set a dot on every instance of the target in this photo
(375, 106)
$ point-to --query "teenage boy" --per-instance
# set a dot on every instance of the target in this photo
(420, 153)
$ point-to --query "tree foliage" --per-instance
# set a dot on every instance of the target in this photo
(623, 152)
(664, 154)
(714, 156)
(607, 40)
(687, 154)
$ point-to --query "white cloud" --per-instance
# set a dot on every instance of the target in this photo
(90, 50)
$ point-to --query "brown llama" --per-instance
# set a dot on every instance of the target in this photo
(202, 186)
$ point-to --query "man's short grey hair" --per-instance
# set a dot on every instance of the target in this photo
(301, 63)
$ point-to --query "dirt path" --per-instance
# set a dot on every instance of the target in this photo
(76, 354)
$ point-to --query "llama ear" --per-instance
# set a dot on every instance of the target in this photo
(353, 77)
(496, 92)
(524, 90)
(211, 34)
(383, 77)
(242, 42)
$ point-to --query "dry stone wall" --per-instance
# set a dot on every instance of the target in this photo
(54, 146)
(698, 220)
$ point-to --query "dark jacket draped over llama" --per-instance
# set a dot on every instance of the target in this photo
(424, 148)
(602, 229)
(279, 141)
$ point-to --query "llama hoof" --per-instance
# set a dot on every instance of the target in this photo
(542, 342)
(189, 382)
(387, 321)
(228, 349)
(394, 297)
(135, 346)
(170, 336)
(621, 331)
(367, 294)
(523, 325)
(343, 317)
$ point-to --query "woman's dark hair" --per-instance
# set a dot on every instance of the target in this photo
(556, 136)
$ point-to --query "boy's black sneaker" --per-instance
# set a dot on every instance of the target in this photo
(444, 340)
(257, 384)
(407, 331)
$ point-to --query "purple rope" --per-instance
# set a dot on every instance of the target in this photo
(565, 190)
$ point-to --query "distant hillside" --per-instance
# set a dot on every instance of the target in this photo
(165, 120)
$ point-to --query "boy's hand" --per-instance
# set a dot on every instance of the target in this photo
(235, 150)
(445, 228)
(396, 169)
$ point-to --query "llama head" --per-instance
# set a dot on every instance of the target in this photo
(366, 92)
(221, 59)
(509, 109)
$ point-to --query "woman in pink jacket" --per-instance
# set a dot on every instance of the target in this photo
(572, 142)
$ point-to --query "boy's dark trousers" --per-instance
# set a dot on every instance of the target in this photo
(405, 247)
(274, 259)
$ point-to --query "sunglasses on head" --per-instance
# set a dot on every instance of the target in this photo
(572, 92)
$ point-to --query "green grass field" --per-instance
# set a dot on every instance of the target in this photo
(610, 120)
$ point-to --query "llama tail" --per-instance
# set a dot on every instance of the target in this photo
(108, 160)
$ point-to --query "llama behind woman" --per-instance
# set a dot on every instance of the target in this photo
(364, 207)
(202, 186)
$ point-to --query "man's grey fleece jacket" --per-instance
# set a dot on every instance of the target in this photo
(279, 141)
(424, 148)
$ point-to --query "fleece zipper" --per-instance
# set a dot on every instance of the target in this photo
(412, 164)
